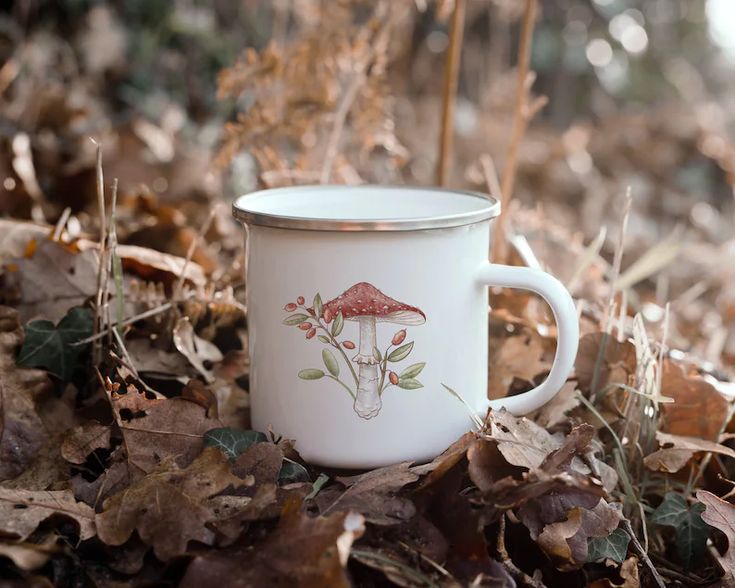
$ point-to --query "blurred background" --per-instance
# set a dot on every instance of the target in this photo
(196, 102)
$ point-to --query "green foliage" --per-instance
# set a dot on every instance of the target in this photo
(232, 442)
(52, 347)
(338, 324)
(311, 374)
(330, 362)
(691, 531)
(614, 547)
(400, 353)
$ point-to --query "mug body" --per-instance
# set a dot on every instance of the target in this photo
(354, 334)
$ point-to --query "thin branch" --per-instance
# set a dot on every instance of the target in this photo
(522, 577)
(102, 269)
(522, 114)
(190, 253)
(449, 98)
(643, 555)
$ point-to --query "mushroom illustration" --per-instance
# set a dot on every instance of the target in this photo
(367, 305)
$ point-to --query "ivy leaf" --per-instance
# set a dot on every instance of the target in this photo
(412, 371)
(409, 384)
(318, 308)
(311, 374)
(232, 442)
(614, 547)
(691, 531)
(291, 472)
(295, 319)
(338, 324)
(400, 353)
(331, 362)
(51, 347)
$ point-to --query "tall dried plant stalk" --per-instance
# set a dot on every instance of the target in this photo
(523, 113)
(449, 98)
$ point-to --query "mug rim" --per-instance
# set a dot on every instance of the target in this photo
(247, 215)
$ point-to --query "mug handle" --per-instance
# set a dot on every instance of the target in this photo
(567, 325)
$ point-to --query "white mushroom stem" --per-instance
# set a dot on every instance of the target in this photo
(367, 401)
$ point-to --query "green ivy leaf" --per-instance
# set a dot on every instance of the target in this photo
(338, 324)
(323, 338)
(330, 362)
(292, 471)
(412, 371)
(232, 442)
(400, 353)
(295, 319)
(311, 374)
(691, 531)
(51, 347)
(614, 547)
(318, 308)
(409, 383)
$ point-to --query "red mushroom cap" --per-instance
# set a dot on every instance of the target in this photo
(364, 299)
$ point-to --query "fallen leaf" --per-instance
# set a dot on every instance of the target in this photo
(303, 551)
(691, 530)
(53, 347)
(29, 556)
(521, 441)
(232, 442)
(166, 506)
(698, 409)
(15, 235)
(628, 574)
(614, 547)
(373, 494)
(554, 412)
(21, 511)
(113, 480)
(522, 357)
(55, 279)
(22, 432)
(80, 441)
(612, 361)
(672, 459)
(194, 348)
(720, 514)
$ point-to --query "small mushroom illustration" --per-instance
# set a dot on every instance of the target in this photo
(367, 305)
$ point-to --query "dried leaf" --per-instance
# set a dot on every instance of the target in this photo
(521, 441)
(80, 441)
(612, 361)
(302, 551)
(628, 573)
(672, 459)
(155, 430)
(194, 348)
(720, 514)
(29, 556)
(166, 506)
(521, 357)
(21, 511)
(22, 433)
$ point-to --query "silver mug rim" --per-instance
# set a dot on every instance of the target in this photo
(252, 218)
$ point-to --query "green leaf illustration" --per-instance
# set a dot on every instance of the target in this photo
(338, 324)
(409, 383)
(295, 319)
(311, 374)
(691, 531)
(614, 547)
(412, 371)
(232, 442)
(400, 353)
(323, 338)
(318, 309)
(331, 362)
(51, 347)
(377, 355)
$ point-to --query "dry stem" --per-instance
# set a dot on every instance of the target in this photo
(449, 98)
(103, 262)
(522, 577)
(522, 114)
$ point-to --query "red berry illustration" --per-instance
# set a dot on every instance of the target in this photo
(290, 307)
(348, 345)
(393, 377)
(305, 326)
(327, 316)
(300, 300)
(399, 337)
(311, 333)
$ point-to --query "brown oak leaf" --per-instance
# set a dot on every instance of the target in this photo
(80, 441)
(615, 364)
(720, 514)
(676, 451)
(167, 507)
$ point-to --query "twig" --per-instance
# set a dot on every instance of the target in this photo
(60, 224)
(102, 268)
(643, 555)
(190, 253)
(449, 98)
(618, 259)
(522, 114)
(512, 568)
(117, 274)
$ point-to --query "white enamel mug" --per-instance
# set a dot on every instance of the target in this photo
(364, 304)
